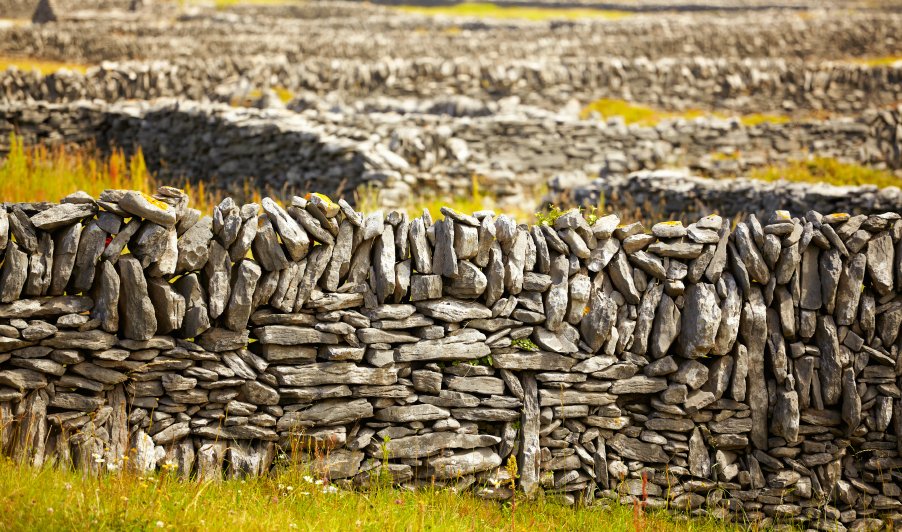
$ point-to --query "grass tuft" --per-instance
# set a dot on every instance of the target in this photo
(648, 116)
(495, 11)
(827, 170)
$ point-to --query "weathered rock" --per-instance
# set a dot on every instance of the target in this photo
(701, 320)
(293, 235)
(136, 311)
(245, 278)
(62, 215)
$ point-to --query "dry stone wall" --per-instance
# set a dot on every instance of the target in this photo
(677, 194)
(742, 85)
(399, 151)
(749, 371)
(333, 30)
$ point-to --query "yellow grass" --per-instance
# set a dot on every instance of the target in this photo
(369, 200)
(247, 99)
(488, 10)
(43, 66)
(38, 173)
(648, 116)
(889, 60)
(827, 170)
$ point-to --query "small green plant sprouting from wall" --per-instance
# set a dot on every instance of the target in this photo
(525, 344)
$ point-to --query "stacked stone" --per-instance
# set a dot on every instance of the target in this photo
(742, 86)
(678, 194)
(842, 30)
(747, 372)
(399, 152)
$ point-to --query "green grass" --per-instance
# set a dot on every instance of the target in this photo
(827, 170)
(55, 499)
(489, 10)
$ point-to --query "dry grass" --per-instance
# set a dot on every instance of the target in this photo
(368, 200)
(648, 116)
(43, 66)
(247, 99)
(827, 170)
(495, 11)
(39, 173)
(890, 60)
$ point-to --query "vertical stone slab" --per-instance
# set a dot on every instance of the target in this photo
(106, 297)
(13, 274)
(65, 247)
(530, 426)
(753, 329)
(118, 427)
(136, 312)
(240, 304)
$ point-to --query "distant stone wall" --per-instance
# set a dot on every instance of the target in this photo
(750, 373)
(674, 194)
(332, 30)
(224, 147)
(752, 85)
(280, 150)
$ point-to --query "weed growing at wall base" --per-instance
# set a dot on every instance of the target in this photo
(291, 499)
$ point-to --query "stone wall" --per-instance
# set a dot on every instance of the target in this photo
(333, 30)
(225, 147)
(398, 151)
(740, 85)
(750, 372)
(676, 194)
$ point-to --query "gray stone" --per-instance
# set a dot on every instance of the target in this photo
(666, 327)
(143, 206)
(849, 290)
(293, 235)
(701, 320)
(444, 259)
(622, 277)
(62, 215)
(880, 260)
(194, 246)
(245, 278)
(136, 311)
(13, 274)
